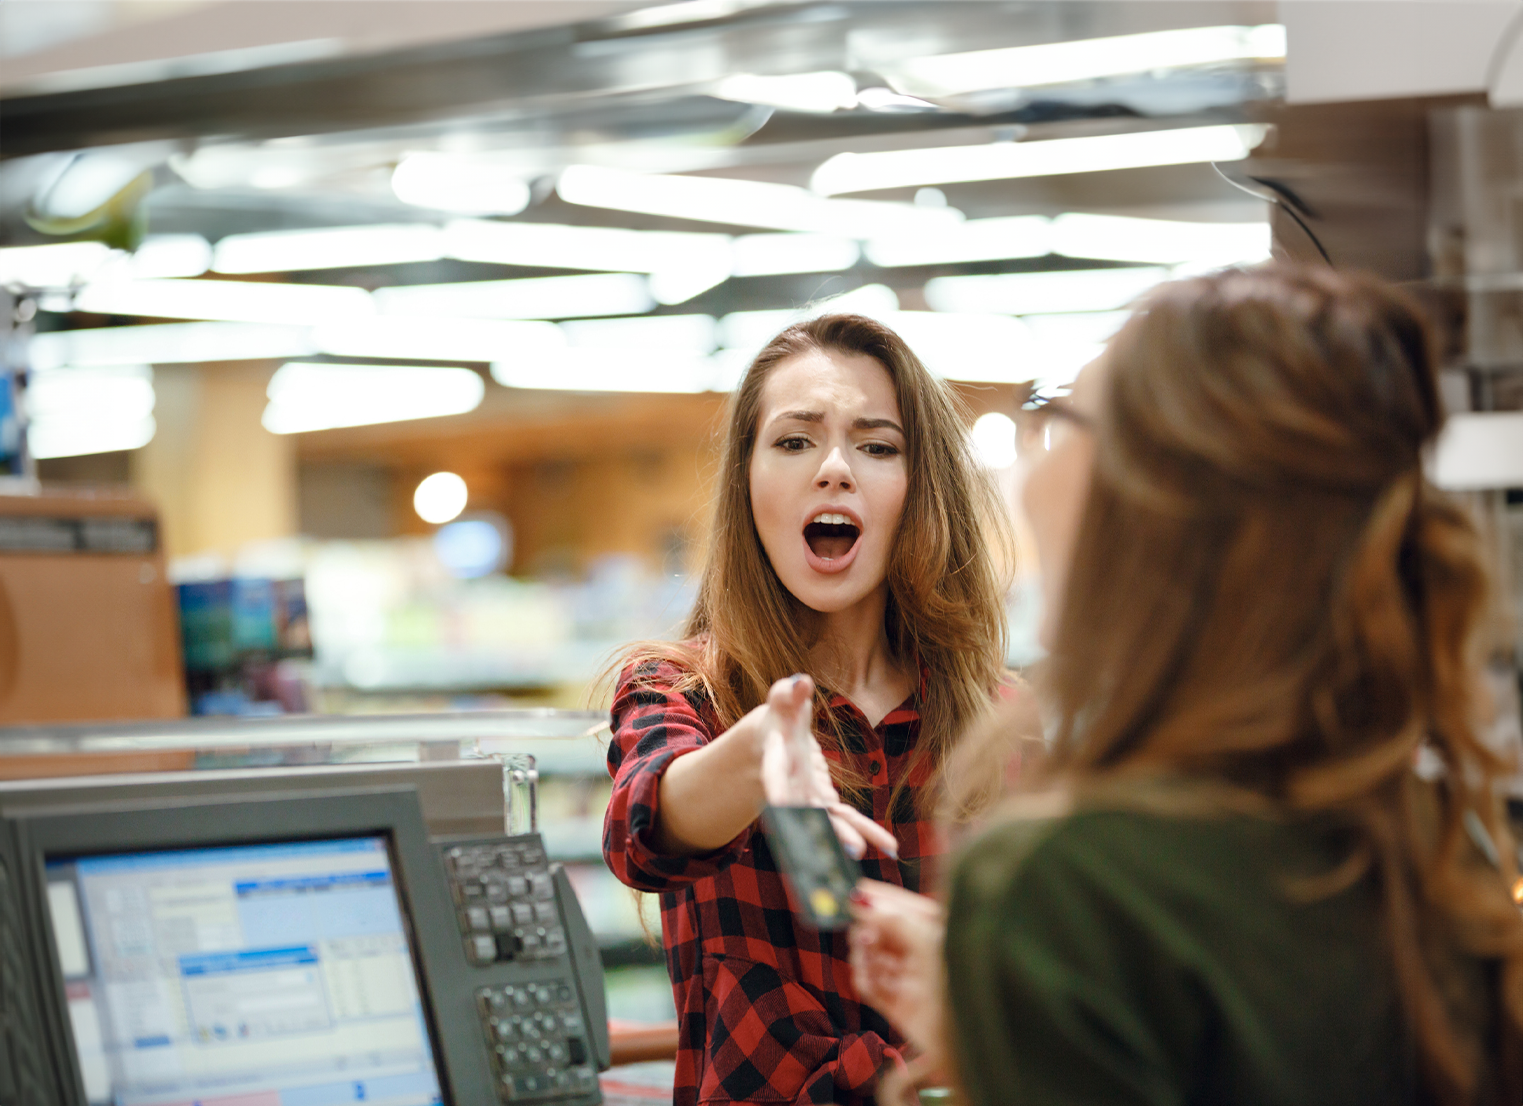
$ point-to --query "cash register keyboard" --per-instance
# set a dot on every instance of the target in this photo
(505, 897)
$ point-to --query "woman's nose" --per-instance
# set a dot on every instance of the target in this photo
(834, 472)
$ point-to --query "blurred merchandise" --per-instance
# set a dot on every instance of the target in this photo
(87, 621)
(239, 635)
(390, 616)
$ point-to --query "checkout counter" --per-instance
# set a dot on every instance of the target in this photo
(311, 911)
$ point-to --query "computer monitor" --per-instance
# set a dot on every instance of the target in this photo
(291, 960)
(296, 950)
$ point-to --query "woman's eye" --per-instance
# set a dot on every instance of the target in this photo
(793, 445)
(880, 449)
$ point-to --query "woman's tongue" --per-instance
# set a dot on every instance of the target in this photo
(830, 542)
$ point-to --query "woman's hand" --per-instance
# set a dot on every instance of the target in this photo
(795, 773)
(896, 961)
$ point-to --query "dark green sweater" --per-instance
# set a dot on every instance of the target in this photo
(1114, 956)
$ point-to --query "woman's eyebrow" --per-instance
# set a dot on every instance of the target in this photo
(799, 416)
(876, 424)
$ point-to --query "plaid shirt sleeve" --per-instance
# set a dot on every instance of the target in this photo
(653, 725)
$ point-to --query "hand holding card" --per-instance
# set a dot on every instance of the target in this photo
(795, 772)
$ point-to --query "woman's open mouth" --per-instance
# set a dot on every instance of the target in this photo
(831, 539)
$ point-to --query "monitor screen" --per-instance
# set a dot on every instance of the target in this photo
(248, 975)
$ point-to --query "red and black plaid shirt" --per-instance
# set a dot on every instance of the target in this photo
(766, 1009)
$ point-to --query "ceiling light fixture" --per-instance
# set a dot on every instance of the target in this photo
(73, 411)
(742, 203)
(771, 254)
(562, 246)
(435, 339)
(228, 300)
(306, 396)
(168, 343)
(976, 240)
(1086, 59)
(852, 172)
(1035, 293)
(595, 370)
(454, 182)
(691, 334)
(285, 251)
(1159, 241)
(440, 497)
(171, 255)
(56, 265)
(819, 93)
(565, 297)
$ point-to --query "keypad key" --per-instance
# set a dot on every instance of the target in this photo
(497, 892)
(501, 917)
(542, 887)
(483, 948)
(545, 912)
(523, 913)
(572, 1023)
(576, 1049)
(517, 886)
(476, 917)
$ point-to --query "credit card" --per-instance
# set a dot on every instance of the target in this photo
(814, 865)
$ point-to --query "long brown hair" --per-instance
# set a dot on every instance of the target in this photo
(1265, 592)
(946, 595)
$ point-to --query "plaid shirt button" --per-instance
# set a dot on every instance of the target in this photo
(766, 1008)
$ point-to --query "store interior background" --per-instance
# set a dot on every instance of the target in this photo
(462, 143)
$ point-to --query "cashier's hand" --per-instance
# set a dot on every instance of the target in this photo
(896, 961)
(795, 773)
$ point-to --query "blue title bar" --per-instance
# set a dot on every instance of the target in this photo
(252, 960)
(205, 858)
(312, 883)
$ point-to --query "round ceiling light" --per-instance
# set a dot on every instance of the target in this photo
(440, 497)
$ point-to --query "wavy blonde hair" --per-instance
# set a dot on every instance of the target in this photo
(946, 566)
(1267, 594)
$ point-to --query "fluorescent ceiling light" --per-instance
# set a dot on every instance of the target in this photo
(976, 240)
(769, 254)
(749, 331)
(691, 334)
(1087, 328)
(814, 92)
(328, 248)
(169, 343)
(964, 346)
(1479, 449)
(850, 172)
(306, 396)
(1086, 59)
(454, 182)
(741, 202)
(57, 265)
(565, 297)
(1033, 293)
(603, 249)
(680, 285)
(171, 255)
(1159, 241)
(595, 370)
(230, 300)
(102, 409)
(440, 339)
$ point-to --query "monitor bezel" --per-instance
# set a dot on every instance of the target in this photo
(393, 814)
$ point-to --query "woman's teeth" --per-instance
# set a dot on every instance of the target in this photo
(831, 535)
